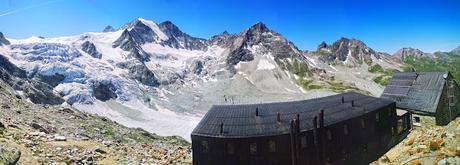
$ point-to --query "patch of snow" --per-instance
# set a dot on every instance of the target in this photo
(134, 113)
(265, 65)
(333, 67)
(311, 60)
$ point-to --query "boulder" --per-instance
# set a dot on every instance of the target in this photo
(409, 141)
(9, 155)
(60, 138)
(39, 127)
(435, 144)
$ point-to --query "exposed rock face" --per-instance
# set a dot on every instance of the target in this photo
(36, 91)
(3, 40)
(52, 80)
(343, 48)
(140, 72)
(404, 52)
(223, 40)
(239, 54)
(41, 93)
(180, 40)
(141, 33)
(197, 66)
(125, 41)
(9, 68)
(89, 48)
(108, 29)
(104, 91)
(321, 46)
(265, 39)
(128, 43)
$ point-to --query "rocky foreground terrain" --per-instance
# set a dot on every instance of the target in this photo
(427, 144)
(43, 134)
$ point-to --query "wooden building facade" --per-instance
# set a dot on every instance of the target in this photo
(348, 128)
(425, 93)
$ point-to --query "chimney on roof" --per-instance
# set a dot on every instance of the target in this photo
(257, 111)
(278, 117)
(221, 128)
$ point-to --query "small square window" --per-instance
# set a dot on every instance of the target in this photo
(345, 129)
(417, 119)
(253, 148)
(205, 146)
(271, 146)
(329, 135)
(230, 148)
(363, 123)
(365, 147)
(303, 142)
(377, 117)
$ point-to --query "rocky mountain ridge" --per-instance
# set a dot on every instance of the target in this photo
(145, 67)
(404, 52)
(347, 50)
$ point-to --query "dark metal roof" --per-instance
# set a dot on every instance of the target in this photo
(416, 91)
(241, 120)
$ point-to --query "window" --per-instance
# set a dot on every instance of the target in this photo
(271, 146)
(205, 146)
(363, 123)
(345, 129)
(303, 142)
(365, 147)
(230, 148)
(329, 135)
(417, 119)
(253, 148)
(389, 111)
(377, 117)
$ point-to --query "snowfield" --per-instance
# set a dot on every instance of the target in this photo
(190, 81)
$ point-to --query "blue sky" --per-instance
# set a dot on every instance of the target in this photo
(428, 25)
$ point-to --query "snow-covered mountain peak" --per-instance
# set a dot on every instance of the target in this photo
(140, 25)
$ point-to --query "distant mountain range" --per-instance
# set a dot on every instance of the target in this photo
(157, 77)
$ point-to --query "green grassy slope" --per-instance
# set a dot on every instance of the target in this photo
(443, 62)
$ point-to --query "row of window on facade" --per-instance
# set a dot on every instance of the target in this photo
(303, 140)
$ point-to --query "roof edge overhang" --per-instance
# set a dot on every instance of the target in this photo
(418, 112)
